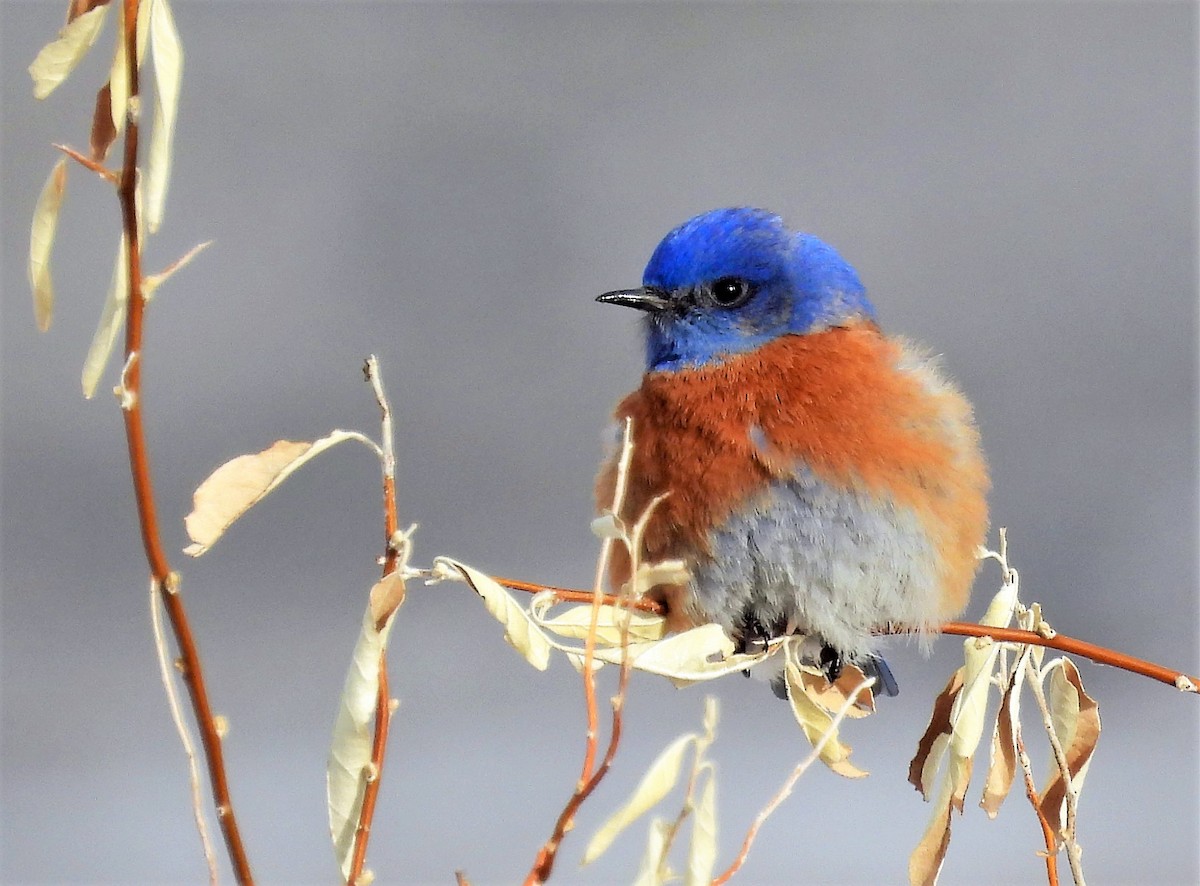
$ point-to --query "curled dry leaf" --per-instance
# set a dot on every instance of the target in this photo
(1075, 717)
(692, 656)
(817, 723)
(575, 621)
(118, 75)
(928, 756)
(168, 74)
(520, 630)
(103, 132)
(112, 317)
(58, 59)
(41, 242)
(661, 776)
(653, 870)
(349, 766)
(702, 850)
(831, 696)
(239, 484)
(1002, 769)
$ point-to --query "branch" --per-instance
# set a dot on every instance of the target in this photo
(1099, 654)
(383, 704)
(1035, 799)
(139, 463)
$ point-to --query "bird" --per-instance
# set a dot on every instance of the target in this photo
(821, 478)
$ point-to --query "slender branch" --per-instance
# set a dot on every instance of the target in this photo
(569, 595)
(139, 462)
(1099, 654)
(1035, 800)
(790, 783)
(88, 163)
(589, 779)
(1181, 680)
(383, 705)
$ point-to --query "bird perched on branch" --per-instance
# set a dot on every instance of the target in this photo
(823, 479)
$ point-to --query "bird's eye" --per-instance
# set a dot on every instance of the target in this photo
(731, 292)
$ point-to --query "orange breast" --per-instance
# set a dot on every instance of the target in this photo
(854, 407)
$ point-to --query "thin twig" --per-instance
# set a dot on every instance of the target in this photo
(589, 779)
(1074, 852)
(181, 728)
(88, 163)
(790, 783)
(383, 708)
(1099, 654)
(569, 595)
(1035, 799)
(139, 463)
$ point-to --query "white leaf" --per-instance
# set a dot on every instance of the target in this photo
(520, 630)
(168, 74)
(58, 59)
(660, 777)
(652, 858)
(702, 851)
(970, 708)
(576, 621)
(239, 484)
(348, 768)
(112, 317)
(41, 241)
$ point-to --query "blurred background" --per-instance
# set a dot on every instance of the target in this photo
(448, 186)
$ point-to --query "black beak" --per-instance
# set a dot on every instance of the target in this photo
(646, 298)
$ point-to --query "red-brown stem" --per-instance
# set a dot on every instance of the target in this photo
(544, 863)
(139, 462)
(391, 522)
(1063, 643)
(88, 163)
(1047, 831)
(568, 595)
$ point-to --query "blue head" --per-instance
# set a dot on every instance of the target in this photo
(730, 280)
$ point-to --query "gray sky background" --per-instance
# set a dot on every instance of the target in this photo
(448, 186)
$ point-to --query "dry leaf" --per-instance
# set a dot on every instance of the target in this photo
(831, 696)
(103, 132)
(41, 242)
(692, 656)
(1076, 720)
(58, 59)
(575, 622)
(151, 282)
(925, 761)
(118, 75)
(1003, 767)
(702, 851)
(236, 486)
(816, 723)
(168, 74)
(112, 317)
(348, 768)
(652, 859)
(520, 630)
(661, 776)
(926, 860)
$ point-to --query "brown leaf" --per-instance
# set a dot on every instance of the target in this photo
(1077, 724)
(926, 860)
(939, 724)
(1003, 768)
(831, 696)
(103, 131)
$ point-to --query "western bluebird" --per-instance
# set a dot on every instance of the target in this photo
(824, 479)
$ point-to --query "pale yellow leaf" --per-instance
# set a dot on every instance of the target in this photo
(520, 630)
(239, 484)
(650, 871)
(41, 241)
(702, 851)
(118, 76)
(348, 768)
(58, 59)
(660, 777)
(1000, 610)
(112, 318)
(970, 708)
(664, 572)
(575, 622)
(151, 282)
(1075, 717)
(701, 653)
(168, 74)
(817, 724)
